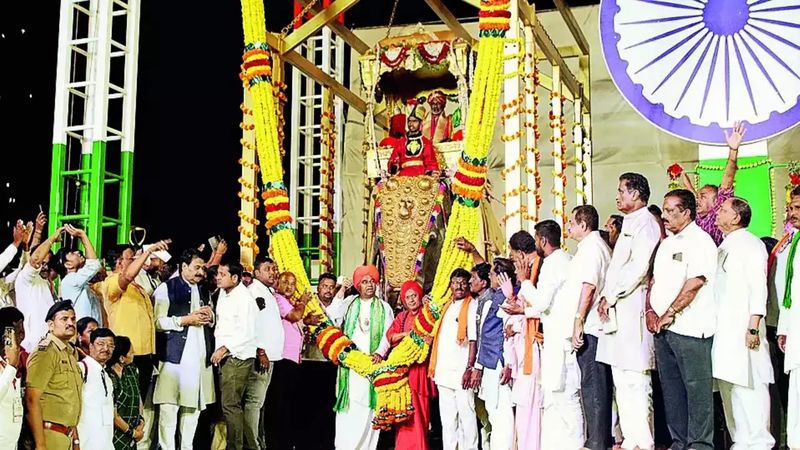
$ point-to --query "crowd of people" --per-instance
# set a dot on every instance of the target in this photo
(536, 349)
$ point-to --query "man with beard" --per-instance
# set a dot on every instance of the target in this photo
(453, 355)
(623, 345)
(413, 154)
(97, 405)
(35, 292)
(562, 419)
(364, 319)
(437, 126)
(185, 384)
(789, 324)
(318, 378)
(681, 313)
(53, 385)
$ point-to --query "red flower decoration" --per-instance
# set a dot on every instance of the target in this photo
(674, 171)
(794, 178)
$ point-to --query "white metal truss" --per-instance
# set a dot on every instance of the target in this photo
(95, 106)
(326, 50)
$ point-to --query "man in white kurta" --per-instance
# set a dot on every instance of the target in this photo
(740, 354)
(453, 355)
(354, 415)
(789, 325)
(625, 344)
(183, 389)
(96, 425)
(562, 421)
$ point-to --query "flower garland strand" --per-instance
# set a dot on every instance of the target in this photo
(257, 78)
(248, 190)
(327, 171)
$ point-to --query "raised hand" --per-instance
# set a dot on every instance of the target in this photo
(463, 244)
(506, 286)
(735, 137)
(41, 221)
(19, 233)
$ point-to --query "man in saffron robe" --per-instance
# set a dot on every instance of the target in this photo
(413, 154)
(412, 434)
(437, 126)
(364, 318)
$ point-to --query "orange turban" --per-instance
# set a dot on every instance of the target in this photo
(437, 97)
(410, 286)
(365, 271)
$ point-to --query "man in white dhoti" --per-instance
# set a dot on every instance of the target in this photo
(185, 384)
(789, 325)
(683, 320)
(562, 421)
(585, 281)
(453, 355)
(364, 318)
(625, 344)
(740, 355)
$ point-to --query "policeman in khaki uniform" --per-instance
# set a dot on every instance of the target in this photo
(54, 383)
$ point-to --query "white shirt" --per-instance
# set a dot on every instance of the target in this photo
(7, 293)
(452, 357)
(540, 300)
(191, 382)
(236, 322)
(75, 287)
(558, 316)
(789, 322)
(10, 406)
(740, 291)
(589, 265)
(270, 329)
(34, 298)
(96, 425)
(8, 254)
(680, 257)
(630, 347)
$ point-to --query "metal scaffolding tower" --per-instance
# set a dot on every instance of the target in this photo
(326, 50)
(93, 124)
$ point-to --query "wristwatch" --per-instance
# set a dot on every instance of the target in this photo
(753, 331)
(579, 317)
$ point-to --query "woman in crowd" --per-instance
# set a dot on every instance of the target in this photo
(128, 420)
(412, 434)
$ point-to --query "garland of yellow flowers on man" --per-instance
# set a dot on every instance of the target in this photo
(389, 377)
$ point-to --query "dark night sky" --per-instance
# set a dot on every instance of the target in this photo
(187, 133)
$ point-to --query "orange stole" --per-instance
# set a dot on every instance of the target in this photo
(532, 325)
(461, 335)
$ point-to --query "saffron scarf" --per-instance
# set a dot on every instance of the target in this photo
(376, 332)
(532, 324)
(787, 294)
(461, 335)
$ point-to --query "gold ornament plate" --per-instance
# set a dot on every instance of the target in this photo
(406, 207)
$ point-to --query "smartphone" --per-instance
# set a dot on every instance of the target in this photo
(9, 337)
(213, 242)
